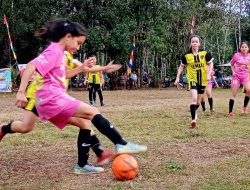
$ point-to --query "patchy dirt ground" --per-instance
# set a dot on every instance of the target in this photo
(215, 155)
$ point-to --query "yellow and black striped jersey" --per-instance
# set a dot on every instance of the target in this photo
(94, 77)
(197, 66)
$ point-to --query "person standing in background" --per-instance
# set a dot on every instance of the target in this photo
(95, 81)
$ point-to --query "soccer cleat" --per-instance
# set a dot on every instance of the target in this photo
(193, 123)
(87, 169)
(130, 148)
(1, 133)
(244, 110)
(230, 114)
(102, 104)
(106, 157)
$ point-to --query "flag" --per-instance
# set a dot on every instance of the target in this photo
(4, 20)
(131, 58)
(10, 41)
(193, 26)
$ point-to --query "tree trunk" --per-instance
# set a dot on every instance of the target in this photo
(218, 48)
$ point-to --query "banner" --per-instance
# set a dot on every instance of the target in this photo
(5, 80)
(21, 68)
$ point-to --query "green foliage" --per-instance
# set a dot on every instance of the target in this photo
(173, 166)
(117, 187)
(161, 27)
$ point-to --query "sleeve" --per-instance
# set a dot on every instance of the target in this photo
(45, 62)
(209, 58)
(233, 60)
(184, 60)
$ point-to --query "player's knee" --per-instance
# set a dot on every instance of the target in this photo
(94, 111)
(234, 95)
(194, 100)
(248, 91)
(27, 128)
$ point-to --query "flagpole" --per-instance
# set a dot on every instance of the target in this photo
(192, 27)
(5, 22)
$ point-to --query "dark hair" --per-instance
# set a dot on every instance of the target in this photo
(92, 54)
(244, 42)
(56, 29)
(194, 36)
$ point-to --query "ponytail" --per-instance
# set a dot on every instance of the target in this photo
(56, 29)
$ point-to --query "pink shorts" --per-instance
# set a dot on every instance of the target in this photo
(209, 84)
(237, 81)
(62, 118)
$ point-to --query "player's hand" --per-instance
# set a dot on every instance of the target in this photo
(90, 62)
(87, 63)
(21, 100)
(110, 63)
(112, 67)
(177, 80)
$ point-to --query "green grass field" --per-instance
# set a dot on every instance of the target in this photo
(213, 156)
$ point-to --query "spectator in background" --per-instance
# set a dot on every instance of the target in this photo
(145, 77)
(134, 79)
(95, 82)
(218, 75)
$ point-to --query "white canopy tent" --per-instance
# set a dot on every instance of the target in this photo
(224, 65)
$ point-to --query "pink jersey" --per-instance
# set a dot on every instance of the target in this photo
(240, 63)
(52, 102)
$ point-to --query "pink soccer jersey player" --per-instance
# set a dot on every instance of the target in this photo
(240, 64)
(54, 104)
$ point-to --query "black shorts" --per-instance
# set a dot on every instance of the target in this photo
(195, 86)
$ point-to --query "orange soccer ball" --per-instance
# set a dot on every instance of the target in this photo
(125, 167)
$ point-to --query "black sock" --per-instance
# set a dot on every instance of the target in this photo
(83, 145)
(246, 100)
(106, 128)
(210, 101)
(231, 105)
(100, 95)
(94, 96)
(193, 110)
(7, 129)
(197, 106)
(96, 145)
(91, 95)
(203, 105)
